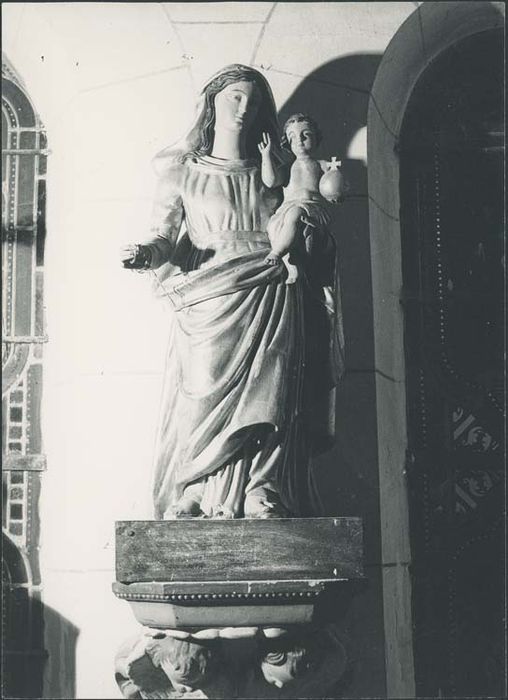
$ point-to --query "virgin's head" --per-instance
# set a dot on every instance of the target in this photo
(238, 99)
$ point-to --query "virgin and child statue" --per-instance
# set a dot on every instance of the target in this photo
(255, 333)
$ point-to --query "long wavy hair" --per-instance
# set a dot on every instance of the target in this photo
(266, 117)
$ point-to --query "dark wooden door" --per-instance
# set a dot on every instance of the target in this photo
(452, 194)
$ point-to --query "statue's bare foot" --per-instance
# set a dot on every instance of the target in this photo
(292, 271)
(264, 508)
(186, 508)
(221, 512)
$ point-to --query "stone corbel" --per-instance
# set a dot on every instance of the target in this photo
(227, 607)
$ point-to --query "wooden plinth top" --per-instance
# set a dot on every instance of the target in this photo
(275, 555)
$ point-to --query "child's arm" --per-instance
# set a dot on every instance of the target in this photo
(271, 176)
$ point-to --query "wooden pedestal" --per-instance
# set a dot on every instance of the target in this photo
(181, 574)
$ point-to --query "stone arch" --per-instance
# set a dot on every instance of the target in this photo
(431, 30)
(23, 226)
(24, 156)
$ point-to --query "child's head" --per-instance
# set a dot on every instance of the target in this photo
(301, 134)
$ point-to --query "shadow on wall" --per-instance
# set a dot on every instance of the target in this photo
(61, 638)
(336, 95)
(38, 644)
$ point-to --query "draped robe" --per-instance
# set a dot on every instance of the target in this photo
(231, 416)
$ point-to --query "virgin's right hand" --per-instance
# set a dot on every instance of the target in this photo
(128, 252)
(135, 256)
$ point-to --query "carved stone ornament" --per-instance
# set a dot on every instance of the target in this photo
(304, 662)
(235, 598)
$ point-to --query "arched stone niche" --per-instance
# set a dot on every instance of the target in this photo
(433, 28)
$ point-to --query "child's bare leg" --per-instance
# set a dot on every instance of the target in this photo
(283, 234)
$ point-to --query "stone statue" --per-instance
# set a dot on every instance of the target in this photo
(232, 440)
(303, 199)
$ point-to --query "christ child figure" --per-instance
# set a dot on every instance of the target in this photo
(309, 182)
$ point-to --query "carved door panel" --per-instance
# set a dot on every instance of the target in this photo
(452, 161)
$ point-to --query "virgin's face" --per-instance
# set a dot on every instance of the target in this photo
(236, 106)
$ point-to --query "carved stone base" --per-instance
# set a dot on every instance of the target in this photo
(227, 606)
(303, 662)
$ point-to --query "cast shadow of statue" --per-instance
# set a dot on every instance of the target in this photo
(38, 643)
(336, 95)
(61, 638)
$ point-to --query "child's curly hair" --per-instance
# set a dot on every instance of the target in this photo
(300, 117)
